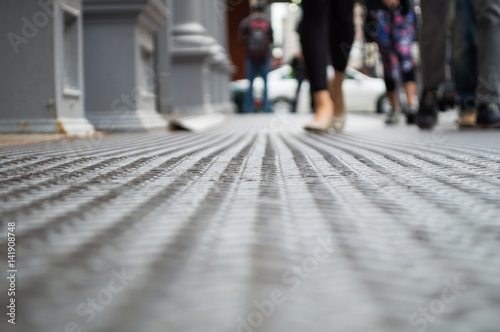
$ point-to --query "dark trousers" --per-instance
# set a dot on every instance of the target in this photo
(327, 28)
(465, 54)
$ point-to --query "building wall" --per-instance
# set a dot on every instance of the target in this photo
(190, 62)
(41, 67)
(25, 66)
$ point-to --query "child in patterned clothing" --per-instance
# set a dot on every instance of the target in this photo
(391, 24)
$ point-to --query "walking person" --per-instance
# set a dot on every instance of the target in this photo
(481, 73)
(257, 35)
(487, 14)
(465, 62)
(327, 29)
(391, 24)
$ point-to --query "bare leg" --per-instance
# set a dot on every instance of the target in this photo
(324, 106)
(411, 90)
(393, 116)
(335, 87)
(393, 98)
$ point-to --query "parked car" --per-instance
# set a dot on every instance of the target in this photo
(362, 93)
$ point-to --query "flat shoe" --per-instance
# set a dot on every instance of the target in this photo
(338, 122)
(319, 125)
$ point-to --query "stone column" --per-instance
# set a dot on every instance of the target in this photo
(121, 81)
(164, 44)
(220, 65)
(224, 65)
(191, 56)
(41, 78)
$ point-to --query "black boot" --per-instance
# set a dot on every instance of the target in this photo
(488, 116)
(427, 115)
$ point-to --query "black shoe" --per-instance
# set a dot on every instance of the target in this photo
(411, 115)
(427, 115)
(488, 116)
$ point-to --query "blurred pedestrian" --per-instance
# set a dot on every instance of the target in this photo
(465, 62)
(300, 74)
(488, 44)
(433, 54)
(327, 29)
(257, 35)
(391, 24)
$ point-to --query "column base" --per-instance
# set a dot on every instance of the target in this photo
(127, 121)
(72, 126)
(224, 108)
(198, 123)
(68, 126)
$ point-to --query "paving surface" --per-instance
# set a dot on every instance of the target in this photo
(256, 226)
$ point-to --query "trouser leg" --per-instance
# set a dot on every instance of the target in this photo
(250, 73)
(313, 39)
(264, 71)
(433, 41)
(488, 41)
(465, 54)
(340, 32)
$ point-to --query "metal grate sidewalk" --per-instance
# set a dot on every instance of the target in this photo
(256, 226)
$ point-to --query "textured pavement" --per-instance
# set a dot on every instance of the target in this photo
(256, 226)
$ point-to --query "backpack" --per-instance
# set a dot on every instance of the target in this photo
(258, 39)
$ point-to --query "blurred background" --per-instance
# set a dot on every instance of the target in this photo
(183, 58)
(364, 86)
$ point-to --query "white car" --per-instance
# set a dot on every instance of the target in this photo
(362, 93)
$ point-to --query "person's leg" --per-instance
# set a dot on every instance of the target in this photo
(335, 87)
(250, 73)
(341, 37)
(433, 57)
(465, 53)
(297, 93)
(488, 41)
(393, 97)
(410, 90)
(265, 66)
(433, 41)
(465, 62)
(403, 37)
(313, 39)
(382, 35)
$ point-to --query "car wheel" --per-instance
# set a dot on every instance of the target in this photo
(383, 105)
(283, 106)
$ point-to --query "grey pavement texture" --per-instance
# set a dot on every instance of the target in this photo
(256, 226)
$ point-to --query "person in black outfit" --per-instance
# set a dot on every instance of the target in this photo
(327, 28)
